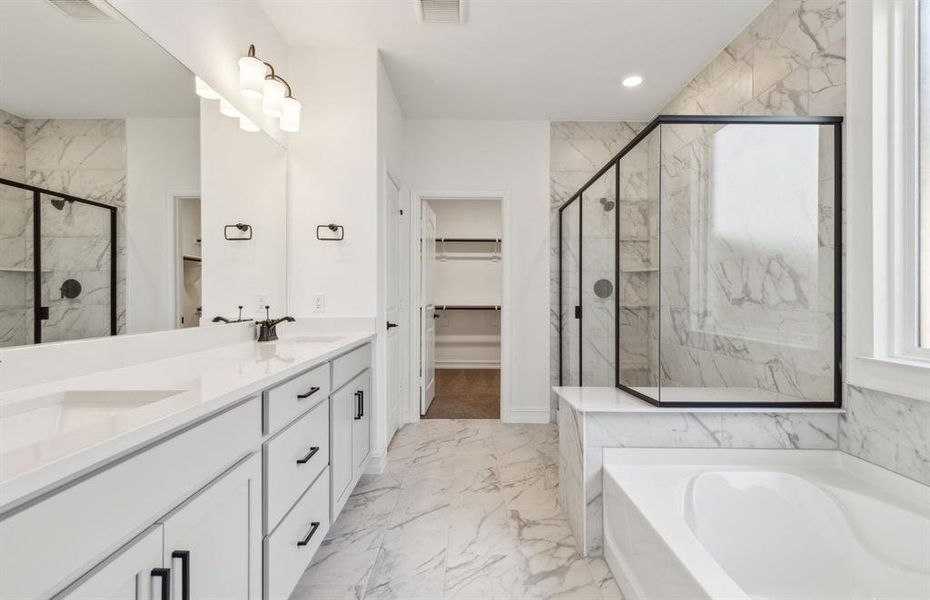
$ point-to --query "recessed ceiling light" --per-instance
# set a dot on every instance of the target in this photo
(632, 81)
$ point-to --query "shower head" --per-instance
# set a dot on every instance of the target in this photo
(607, 204)
(59, 203)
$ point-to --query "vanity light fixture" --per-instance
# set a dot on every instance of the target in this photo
(274, 92)
(258, 80)
(290, 115)
(252, 75)
(632, 81)
(228, 109)
(246, 124)
(203, 90)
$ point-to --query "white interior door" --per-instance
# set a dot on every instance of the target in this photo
(428, 307)
(396, 365)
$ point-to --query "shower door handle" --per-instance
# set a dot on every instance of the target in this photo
(43, 313)
(577, 312)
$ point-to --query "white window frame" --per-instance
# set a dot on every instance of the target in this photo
(881, 192)
(897, 336)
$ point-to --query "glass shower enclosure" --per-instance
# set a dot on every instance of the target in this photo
(700, 265)
(57, 266)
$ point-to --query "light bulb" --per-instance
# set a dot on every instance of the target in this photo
(203, 90)
(273, 97)
(251, 77)
(632, 81)
(290, 115)
(245, 124)
(228, 109)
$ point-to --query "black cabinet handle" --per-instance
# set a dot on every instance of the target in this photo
(165, 576)
(312, 391)
(358, 404)
(313, 527)
(361, 404)
(185, 557)
(392, 325)
(306, 459)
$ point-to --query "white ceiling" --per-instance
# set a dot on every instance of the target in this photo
(527, 59)
(52, 66)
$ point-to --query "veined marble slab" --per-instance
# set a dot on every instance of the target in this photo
(615, 400)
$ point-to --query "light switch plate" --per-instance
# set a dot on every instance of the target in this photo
(318, 303)
(261, 301)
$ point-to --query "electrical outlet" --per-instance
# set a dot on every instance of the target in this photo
(261, 301)
(318, 303)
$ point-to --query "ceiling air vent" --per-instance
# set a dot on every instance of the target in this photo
(85, 10)
(441, 11)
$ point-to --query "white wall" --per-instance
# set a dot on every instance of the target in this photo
(443, 157)
(163, 161)
(209, 38)
(333, 179)
(244, 179)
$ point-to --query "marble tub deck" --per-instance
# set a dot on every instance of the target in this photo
(464, 509)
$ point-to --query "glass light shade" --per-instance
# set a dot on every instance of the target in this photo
(203, 90)
(273, 98)
(228, 109)
(290, 115)
(245, 124)
(251, 77)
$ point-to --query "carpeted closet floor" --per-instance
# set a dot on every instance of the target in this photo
(466, 394)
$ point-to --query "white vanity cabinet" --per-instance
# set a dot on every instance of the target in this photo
(134, 572)
(351, 435)
(213, 541)
(232, 505)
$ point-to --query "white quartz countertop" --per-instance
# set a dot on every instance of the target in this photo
(615, 400)
(198, 384)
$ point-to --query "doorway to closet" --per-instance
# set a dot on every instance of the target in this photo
(461, 255)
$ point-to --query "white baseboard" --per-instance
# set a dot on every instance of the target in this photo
(376, 464)
(532, 415)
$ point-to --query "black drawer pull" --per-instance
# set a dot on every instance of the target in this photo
(185, 557)
(313, 527)
(165, 576)
(306, 459)
(312, 391)
(358, 406)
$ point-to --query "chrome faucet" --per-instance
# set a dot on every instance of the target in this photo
(219, 319)
(267, 328)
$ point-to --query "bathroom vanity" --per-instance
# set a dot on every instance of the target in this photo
(216, 473)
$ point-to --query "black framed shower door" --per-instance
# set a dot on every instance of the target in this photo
(571, 246)
(43, 197)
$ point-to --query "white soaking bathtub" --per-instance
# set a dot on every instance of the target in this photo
(798, 524)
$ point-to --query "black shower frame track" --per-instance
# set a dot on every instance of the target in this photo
(37, 194)
(837, 124)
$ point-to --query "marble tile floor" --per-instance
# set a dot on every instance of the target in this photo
(464, 509)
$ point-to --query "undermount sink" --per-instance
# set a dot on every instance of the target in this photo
(37, 419)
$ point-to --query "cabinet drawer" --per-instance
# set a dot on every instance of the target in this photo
(284, 402)
(349, 365)
(293, 459)
(62, 536)
(290, 548)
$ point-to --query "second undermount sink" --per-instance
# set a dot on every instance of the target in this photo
(30, 421)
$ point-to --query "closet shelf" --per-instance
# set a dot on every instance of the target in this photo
(477, 240)
(467, 307)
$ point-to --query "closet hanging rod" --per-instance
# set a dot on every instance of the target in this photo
(466, 307)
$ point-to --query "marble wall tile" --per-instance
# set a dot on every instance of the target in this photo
(571, 468)
(889, 430)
